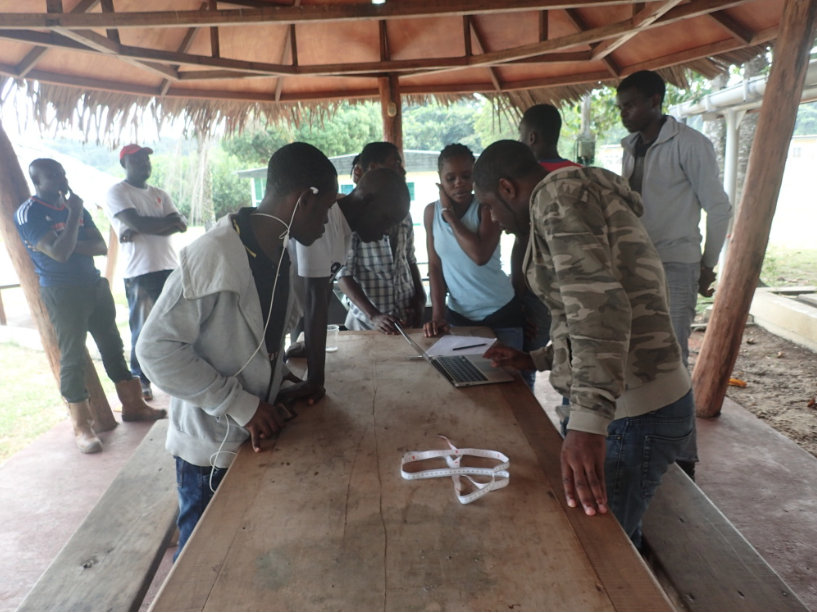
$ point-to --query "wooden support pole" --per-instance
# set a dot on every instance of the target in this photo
(391, 109)
(761, 188)
(13, 192)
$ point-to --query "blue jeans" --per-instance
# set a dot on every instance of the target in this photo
(193, 485)
(142, 292)
(639, 451)
(682, 281)
(536, 313)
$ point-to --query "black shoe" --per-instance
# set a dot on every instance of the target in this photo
(688, 467)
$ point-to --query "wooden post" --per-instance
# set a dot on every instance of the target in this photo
(13, 192)
(761, 188)
(391, 110)
(113, 255)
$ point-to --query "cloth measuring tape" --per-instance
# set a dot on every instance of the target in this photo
(499, 474)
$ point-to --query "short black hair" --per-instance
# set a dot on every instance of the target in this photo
(298, 166)
(354, 163)
(545, 120)
(505, 159)
(454, 150)
(376, 153)
(646, 82)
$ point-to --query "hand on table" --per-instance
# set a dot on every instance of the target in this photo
(583, 471)
(502, 355)
(385, 323)
(307, 390)
(436, 327)
(263, 424)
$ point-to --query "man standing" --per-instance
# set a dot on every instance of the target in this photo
(539, 129)
(62, 241)
(215, 337)
(144, 218)
(381, 278)
(674, 169)
(613, 352)
(379, 202)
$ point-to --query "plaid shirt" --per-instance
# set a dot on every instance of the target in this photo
(385, 278)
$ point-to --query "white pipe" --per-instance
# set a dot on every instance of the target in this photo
(746, 94)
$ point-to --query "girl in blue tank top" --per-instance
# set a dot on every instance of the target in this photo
(464, 257)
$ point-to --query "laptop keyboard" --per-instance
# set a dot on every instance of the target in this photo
(461, 369)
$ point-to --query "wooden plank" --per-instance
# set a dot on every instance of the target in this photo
(641, 21)
(627, 582)
(711, 565)
(324, 521)
(739, 31)
(110, 561)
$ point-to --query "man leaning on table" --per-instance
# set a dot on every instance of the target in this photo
(214, 339)
(613, 352)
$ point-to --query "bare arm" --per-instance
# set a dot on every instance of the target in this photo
(381, 321)
(520, 245)
(61, 246)
(436, 280)
(418, 302)
(93, 244)
(479, 245)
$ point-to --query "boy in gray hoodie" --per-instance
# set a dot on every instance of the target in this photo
(214, 338)
(614, 354)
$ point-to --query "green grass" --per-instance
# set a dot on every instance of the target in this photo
(789, 267)
(31, 402)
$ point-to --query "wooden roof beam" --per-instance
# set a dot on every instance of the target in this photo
(107, 7)
(580, 24)
(288, 48)
(480, 48)
(641, 21)
(466, 36)
(184, 47)
(735, 29)
(291, 14)
(32, 57)
(215, 47)
(593, 35)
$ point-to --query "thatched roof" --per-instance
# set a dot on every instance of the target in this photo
(231, 62)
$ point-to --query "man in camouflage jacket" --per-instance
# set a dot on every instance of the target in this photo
(613, 352)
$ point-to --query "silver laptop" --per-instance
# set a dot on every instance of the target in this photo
(462, 370)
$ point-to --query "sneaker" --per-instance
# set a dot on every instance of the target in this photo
(147, 393)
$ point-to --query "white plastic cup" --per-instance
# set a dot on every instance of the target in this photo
(332, 338)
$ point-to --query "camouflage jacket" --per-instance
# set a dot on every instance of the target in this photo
(589, 259)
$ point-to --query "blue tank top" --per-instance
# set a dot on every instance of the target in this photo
(473, 291)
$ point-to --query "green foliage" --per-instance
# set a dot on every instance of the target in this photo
(431, 127)
(806, 123)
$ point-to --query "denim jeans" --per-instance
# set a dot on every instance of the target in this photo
(142, 292)
(682, 281)
(195, 493)
(76, 310)
(538, 314)
(506, 323)
(639, 451)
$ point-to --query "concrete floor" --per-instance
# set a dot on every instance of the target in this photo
(763, 482)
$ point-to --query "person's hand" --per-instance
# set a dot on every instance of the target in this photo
(74, 203)
(305, 390)
(583, 471)
(705, 281)
(384, 323)
(445, 201)
(180, 221)
(263, 424)
(127, 235)
(416, 311)
(502, 355)
(436, 327)
(295, 350)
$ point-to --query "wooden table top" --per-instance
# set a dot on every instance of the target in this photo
(324, 520)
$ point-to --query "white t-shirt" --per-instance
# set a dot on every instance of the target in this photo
(147, 252)
(325, 257)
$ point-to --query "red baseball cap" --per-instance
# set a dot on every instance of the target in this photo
(129, 149)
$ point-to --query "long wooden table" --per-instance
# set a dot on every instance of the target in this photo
(324, 520)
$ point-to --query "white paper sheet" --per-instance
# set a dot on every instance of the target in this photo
(460, 345)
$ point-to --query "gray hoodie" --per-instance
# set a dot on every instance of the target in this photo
(202, 330)
(680, 178)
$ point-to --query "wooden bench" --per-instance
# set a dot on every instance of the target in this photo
(701, 558)
(110, 561)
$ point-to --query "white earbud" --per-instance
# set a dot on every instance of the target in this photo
(314, 190)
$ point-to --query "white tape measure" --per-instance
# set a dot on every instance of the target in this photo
(499, 474)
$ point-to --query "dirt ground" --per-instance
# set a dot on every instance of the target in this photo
(781, 383)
